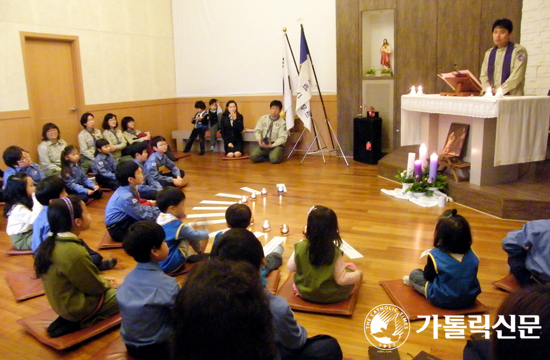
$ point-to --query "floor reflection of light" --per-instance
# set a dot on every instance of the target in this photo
(418, 238)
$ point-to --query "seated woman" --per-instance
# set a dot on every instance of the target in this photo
(131, 134)
(529, 309)
(231, 128)
(113, 135)
(50, 149)
(231, 293)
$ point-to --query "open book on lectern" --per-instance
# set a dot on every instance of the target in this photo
(462, 82)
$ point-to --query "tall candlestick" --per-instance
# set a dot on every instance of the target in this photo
(410, 164)
(417, 170)
(433, 166)
(422, 155)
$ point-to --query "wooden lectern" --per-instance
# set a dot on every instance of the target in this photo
(463, 82)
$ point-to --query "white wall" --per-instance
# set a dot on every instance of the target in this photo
(535, 36)
(127, 49)
(235, 47)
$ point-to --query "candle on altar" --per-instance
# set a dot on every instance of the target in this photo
(433, 166)
(413, 91)
(417, 170)
(499, 93)
(423, 156)
(488, 92)
(419, 90)
(410, 164)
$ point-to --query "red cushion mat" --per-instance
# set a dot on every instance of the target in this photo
(297, 303)
(37, 325)
(244, 156)
(13, 251)
(273, 281)
(508, 283)
(414, 304)
(184, 269)
(107, 242)
(24, 284)
(180, 155)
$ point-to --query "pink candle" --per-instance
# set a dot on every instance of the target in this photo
(433, 166)
(423, 156)
(417, 170)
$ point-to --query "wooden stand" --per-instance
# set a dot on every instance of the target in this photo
(458, 89)
(463, 82)
(454, 163)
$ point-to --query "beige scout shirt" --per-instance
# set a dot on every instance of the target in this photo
(515, 83)
(279, 134)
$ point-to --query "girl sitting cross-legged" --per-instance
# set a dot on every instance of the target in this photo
(321, 274)
(449, 279)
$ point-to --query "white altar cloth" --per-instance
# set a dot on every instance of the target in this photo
(522, 122)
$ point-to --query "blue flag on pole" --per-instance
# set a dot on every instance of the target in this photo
(303, 92)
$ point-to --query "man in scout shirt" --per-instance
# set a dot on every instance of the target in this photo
(504, 64)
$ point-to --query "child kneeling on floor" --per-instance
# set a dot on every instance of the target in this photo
(147, 295)
(321, 274)
(73, 286)
(179, 236)
(449, 279)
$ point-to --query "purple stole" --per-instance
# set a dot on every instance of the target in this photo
(506, 67)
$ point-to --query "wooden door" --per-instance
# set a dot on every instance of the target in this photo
(53, 85)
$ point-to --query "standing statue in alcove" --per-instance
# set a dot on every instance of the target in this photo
(385, 52)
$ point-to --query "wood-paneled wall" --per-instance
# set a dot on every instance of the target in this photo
(348, 68)
(19, 128)
(430, 37)
(160, 117)
(253, 107)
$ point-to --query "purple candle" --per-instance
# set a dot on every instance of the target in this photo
(433, 166)
(417, 170)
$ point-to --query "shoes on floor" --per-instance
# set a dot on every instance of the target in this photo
(212, 148)
(201, 153)
(108, 264)
(406, 280)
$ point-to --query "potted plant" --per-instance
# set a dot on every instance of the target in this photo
(405, 179)
(419, 188)
(370, 72)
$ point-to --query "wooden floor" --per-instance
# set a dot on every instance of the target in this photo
(389, 232)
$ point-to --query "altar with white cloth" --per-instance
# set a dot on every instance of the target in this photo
(503, 132)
